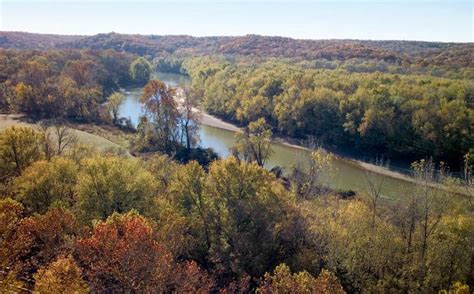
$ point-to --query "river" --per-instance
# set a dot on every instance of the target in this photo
(345, 174)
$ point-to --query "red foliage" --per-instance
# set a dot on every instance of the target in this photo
(123, 253)
(39, 239)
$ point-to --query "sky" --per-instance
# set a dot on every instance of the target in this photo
(443, 20)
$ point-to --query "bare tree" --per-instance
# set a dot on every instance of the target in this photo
(306, 173)
(374, 188)
(65, 137)
(190, 115)
(47, 140)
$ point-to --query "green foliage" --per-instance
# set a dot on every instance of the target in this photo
(247, 217)
(254, 145)
(19, 148)
(109, 184)
(140, 70)
(45, 183)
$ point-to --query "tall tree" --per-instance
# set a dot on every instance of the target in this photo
(190, 116)
(114, 102)
(255, 143)
(162, 113)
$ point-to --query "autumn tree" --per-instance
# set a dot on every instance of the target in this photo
(283, 281)
(61, 276)
(114, 102)
(122, 254)
(254, 145)
(11, 213)
(38, 240)
(161, 117)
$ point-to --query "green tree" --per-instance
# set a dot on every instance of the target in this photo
(255, 143)
(19, 148)
(108, 184)
(44, 183)
(248, 218)
(140, 70)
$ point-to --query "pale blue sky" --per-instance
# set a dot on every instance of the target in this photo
(351, 19)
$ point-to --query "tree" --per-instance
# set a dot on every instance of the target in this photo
(248, 214)
(56, 137)
(306, 177)
(61, 276)
(162, 114)
(187, 189)
(283, 281)
(83, 72)
(123, 254)
(11, 213)
(115, 101)
(108, 184)
(140, 70)
(45, 183)
(38, 240)
(19, 148)
(255, 143)
(65, 137)
(190, 116)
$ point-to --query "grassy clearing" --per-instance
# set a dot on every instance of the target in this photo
(100, 142)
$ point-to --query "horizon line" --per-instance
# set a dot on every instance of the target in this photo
(237, 36)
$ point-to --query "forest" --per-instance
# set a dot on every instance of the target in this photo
(80, 220)
(392, 115)
(168, 216)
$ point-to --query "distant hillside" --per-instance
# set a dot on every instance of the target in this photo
(450, 55)
(20, 40)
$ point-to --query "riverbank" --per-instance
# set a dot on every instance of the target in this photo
(210, 120)
(213, 121)
(381, 176)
